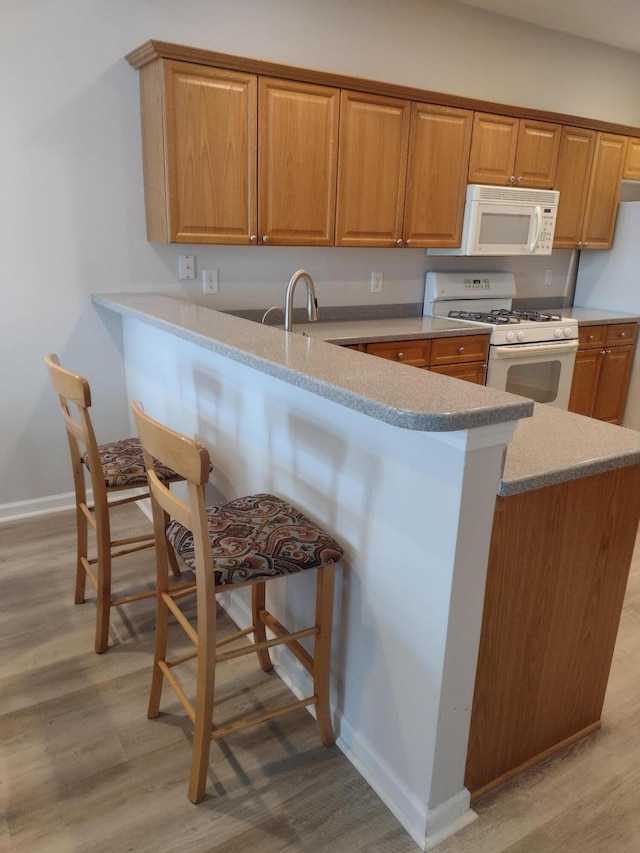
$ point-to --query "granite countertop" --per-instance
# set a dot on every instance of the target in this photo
(394, 393)
(388, 329)
(549, 447)
(556, 446)
(596, 317)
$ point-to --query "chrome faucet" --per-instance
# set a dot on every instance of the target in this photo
(312, 302)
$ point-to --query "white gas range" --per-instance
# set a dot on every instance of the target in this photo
(531, 353)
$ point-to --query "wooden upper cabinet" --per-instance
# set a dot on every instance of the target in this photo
(507, 150)
(604, 191)
(297, 162)
(572, 180)
(588, 178)
(439, 148)
(632, 160)
(199, 153)
(374, 138)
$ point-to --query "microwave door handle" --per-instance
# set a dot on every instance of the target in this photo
(538, 221)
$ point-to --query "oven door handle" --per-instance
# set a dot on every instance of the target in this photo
(527, 350)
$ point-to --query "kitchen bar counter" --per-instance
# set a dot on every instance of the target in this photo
(422, 478)
(420, 401)
(549, 448)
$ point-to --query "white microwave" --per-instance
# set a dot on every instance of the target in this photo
(506, 221)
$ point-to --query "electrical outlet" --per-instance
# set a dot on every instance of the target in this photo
(186, 267)
(210, 281)
(548, 278)
(376, 282)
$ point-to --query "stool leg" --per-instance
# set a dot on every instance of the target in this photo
(162, 628)
(204, 697)
(258, 601)
(103, 592)
(322, 651)
(82, 555)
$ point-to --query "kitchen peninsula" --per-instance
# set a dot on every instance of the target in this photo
(404, 467)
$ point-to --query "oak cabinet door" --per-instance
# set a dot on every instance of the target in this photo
(577, 147)
(374, 136)
(632, 160)
(297, 162)
(199, 153)
(493, 149)
(604, 191)
(537, 153)
(585, 381)
(613, 384)
(507, 150)
(439, 148)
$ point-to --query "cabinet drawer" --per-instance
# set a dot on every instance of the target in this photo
(591, 336)
(621, 333)
(459, 349)
(414, 353)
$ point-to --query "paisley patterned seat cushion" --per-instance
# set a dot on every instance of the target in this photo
(259, 536)
(123, 464)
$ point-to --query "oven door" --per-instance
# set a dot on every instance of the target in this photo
(541, 372)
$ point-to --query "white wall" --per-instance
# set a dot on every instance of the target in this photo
(71, 208)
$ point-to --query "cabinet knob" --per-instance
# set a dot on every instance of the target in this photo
(398, 242)
(265, 239)
(461, 350)
(579, 244)
(400, 356)
(253, 238)
(512, 179)
(585, 244)
(519, 179)
(590, 337)
(408, 242)
(622, 335)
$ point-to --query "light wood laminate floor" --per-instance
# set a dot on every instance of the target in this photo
(82, 769)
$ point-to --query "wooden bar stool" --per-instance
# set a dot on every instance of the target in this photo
(249, 541)
(113, 467)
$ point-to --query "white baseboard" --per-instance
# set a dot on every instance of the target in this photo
(54, 503)
(37, 506)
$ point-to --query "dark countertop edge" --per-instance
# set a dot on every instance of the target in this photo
(403, 418)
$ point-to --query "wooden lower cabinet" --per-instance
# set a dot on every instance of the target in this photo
(602, 371)
(463, 357)
(557, 572)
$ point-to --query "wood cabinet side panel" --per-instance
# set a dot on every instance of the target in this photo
(154, 154)
(439, 149)
(558, 568)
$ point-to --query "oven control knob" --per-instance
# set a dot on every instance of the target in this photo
(568, 332)
(510, 336)
(558, 333)
(521, 335)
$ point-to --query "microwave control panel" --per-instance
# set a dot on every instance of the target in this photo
(547, 227)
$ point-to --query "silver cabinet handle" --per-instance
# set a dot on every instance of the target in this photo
(408, 242)
(590, 337)
(460, 350)
(400, 356)
(253, 238)
(512, 179)
(265, 239)
(398, 242)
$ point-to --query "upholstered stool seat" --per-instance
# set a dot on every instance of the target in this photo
(249, 541)
(257, 537)
(113, 468)
(123, 465)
